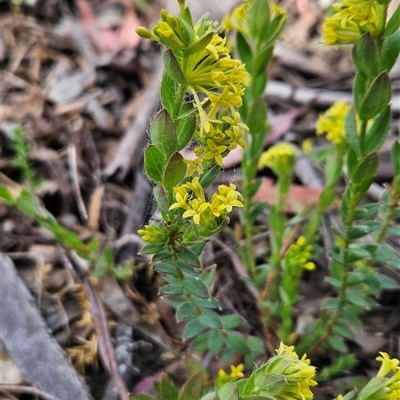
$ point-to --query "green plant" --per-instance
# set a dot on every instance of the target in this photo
(257, 24)
(100, 255)
(284, 376)
(367, 123)
(201, 90)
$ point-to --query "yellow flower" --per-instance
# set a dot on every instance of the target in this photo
(214, 152)
(216, 206)
(331, 122)
(307, 146)
(340, 397)
(196, 188)
(194, 166)
(195, 210)
(388, 364)
(279, 158)
(237, 20)
(222, 373)
(299, 253)
(237, 372)
(352, 19)
(181, 196)
(310, 266)
(229, 196)
(152, 234)
(296, 373)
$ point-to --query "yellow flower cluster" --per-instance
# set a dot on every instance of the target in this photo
(298, 373)
(386, 384)
(352, 19)
(238, 19)
(190, 196)
(236, 372)
(152, 234)
(391, 387)
(279, 158)
(299, 253)
(331, 122)
(213, 78)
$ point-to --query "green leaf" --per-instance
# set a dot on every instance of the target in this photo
(258, 19)
(372, 388)
(142, 397)
(26, 204)
(215, 341)
(262, 60)
(231, 321)
(257, 209)
(154, 163)
(342, 329)
(229, 391)
(201, 342)
(192, 388)
(185, 129)
(172, 290)
(168, 93)
(258, 84)
(393, 231)
(162, 254)
(360, 87)
(357, 298)
(6, 195)
(193, 328)
(184, 311)
(395, 157)
(152, 248)
(165, 268)
(168, 389)
(330, 304)
(200, 44)
(366, 169)
(173, 69)
(350, 127)
(357, 253)
(271, 383)
(390, 51)
(377, 97)
(163, 134)
(161, 199)
(237, 341)
(211, 319)
(205, 303)
(174, 171)
(244, 50)
(337, 343)
(351, 317)
(367, 210)
(210, 396)
(195, 287)
(327, 197)
(394, 22)
(366, 56)
(334, 282)
(256, 345)
(189, 257)
(378, 132)
(357, 232)
(352, 161)
(209, 176)
(258, 121)
(188, 268)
